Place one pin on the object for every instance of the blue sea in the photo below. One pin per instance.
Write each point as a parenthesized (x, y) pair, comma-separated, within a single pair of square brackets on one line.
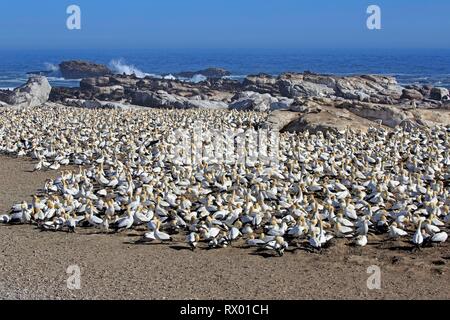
[(409, 66)]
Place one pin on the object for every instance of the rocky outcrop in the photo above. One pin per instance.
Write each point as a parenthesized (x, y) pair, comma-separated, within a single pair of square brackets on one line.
[(369, 88), (210, 73), (212, 89), (163, 99), (34, 93), (325, 89), (307, 101), (308, 87), (261, 83), (82, 69), (336, 119)]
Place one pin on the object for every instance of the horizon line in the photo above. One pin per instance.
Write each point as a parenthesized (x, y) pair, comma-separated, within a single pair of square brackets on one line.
[(224, 48)]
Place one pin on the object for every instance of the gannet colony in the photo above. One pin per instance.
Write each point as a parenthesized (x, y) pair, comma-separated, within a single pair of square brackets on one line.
[(145, 169)]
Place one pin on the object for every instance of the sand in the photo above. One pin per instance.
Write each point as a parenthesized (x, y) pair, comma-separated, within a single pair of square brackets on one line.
[(33, 264)]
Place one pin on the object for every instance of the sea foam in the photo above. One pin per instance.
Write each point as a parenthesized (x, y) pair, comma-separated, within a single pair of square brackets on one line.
[(119, 66), (51, 67)]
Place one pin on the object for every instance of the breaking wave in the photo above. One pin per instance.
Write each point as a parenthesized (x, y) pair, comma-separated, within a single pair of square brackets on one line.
[(119, 66), (198, 78), (51, 67)]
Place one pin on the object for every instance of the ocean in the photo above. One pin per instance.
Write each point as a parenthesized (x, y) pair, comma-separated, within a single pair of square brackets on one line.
[(409, 66)]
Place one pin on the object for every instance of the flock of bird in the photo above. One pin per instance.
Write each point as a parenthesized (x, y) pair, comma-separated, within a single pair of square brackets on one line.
[(324, 186)]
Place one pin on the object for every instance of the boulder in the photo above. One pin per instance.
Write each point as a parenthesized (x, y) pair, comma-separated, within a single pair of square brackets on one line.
[(205, 104), (254, 101), (158, 99), (439, 94), (328, 119), (411, 94), (82, 69), (34, 93)]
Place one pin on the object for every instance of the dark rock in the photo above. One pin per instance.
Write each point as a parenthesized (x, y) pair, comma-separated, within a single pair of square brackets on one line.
[(261, 83), (411, 94), (208, 73), (61, 94), (224, 85), (82, 69), (439, 94), (4, 95), (88, 83)]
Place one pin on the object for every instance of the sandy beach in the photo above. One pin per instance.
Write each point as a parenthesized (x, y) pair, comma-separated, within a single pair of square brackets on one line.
[(33, 264)]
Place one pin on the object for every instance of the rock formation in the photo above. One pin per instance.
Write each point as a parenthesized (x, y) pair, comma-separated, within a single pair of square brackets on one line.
[(82, 69), (297, 101), (34, 93)]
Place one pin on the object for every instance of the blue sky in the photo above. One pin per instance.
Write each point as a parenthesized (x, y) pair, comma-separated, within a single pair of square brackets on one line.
[(224, 24)]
